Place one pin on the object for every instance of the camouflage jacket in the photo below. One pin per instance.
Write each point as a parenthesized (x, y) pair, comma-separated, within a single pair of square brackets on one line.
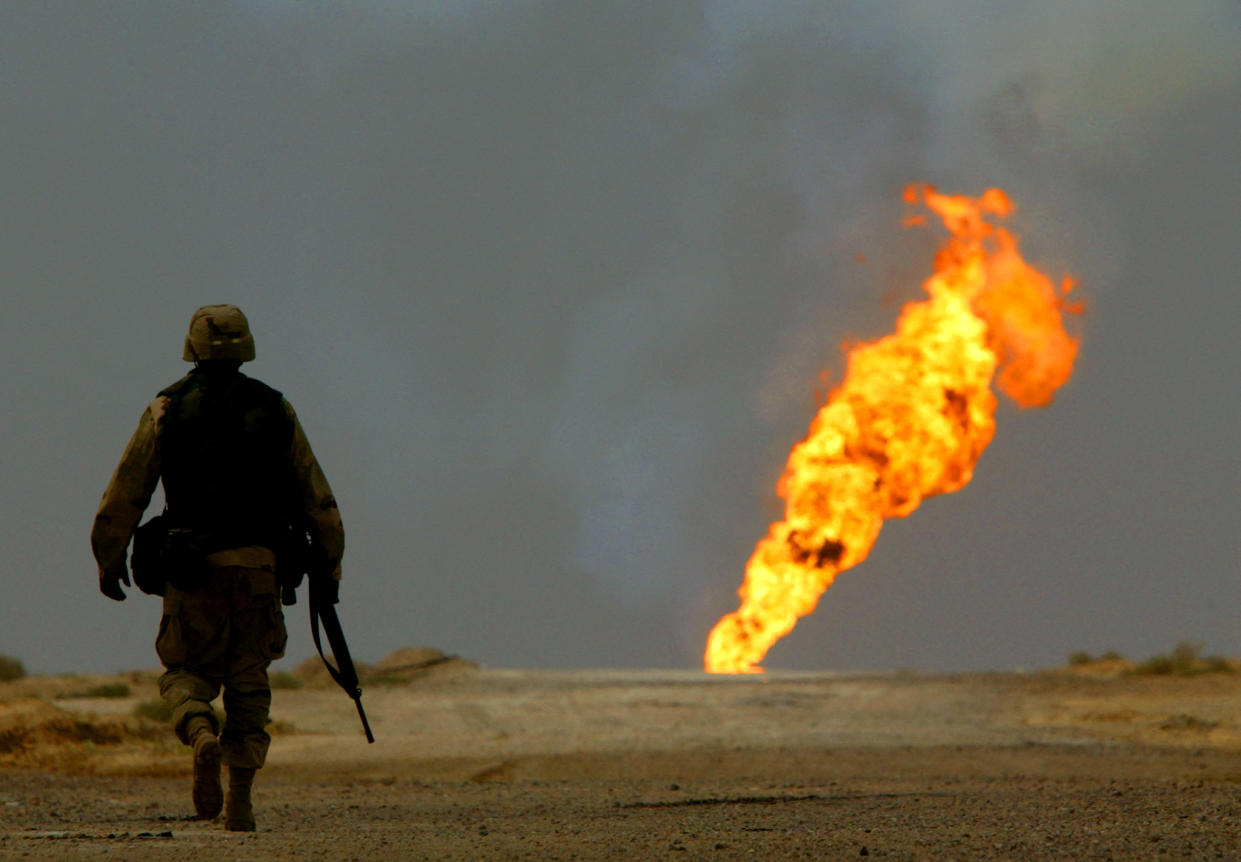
[(136, 476)]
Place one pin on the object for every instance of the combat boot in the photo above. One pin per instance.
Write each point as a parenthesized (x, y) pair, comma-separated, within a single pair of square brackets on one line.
[(239, 813), (208, 794)]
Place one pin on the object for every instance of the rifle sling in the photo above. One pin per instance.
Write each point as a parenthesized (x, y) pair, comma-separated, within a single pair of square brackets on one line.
[(345, 675)]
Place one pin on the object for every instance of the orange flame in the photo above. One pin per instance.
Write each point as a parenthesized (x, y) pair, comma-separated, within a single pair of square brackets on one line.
[(911, 419)]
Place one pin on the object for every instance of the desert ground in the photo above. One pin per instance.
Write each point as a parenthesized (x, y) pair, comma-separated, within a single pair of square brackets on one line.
[(1090, 762)]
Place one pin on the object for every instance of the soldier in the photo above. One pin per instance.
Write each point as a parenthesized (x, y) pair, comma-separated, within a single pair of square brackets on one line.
[(237, 470)]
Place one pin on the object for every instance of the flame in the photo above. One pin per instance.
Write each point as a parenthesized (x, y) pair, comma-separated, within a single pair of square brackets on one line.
[(910, 420)]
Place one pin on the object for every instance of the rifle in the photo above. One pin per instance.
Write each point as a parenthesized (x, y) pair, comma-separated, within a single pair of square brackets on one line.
[(298, 557), (323, 611)]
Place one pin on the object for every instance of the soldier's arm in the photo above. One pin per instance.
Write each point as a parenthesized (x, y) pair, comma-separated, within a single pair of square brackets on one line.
[(316, 499), (127, 495)]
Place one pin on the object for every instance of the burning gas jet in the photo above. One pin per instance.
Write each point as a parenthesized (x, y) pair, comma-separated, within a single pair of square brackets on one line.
[(910, 420)]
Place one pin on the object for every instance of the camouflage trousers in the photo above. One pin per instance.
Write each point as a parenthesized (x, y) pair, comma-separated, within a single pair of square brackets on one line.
[(224, 634)]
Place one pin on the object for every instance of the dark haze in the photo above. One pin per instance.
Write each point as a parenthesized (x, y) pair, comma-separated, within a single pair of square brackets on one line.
[(553, 286)]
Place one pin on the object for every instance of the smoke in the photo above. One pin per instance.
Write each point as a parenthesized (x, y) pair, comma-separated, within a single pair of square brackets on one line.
[(1086, 79), (552, 284)]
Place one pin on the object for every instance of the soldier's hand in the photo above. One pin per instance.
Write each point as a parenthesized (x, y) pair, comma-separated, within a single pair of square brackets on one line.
[(110, 586)]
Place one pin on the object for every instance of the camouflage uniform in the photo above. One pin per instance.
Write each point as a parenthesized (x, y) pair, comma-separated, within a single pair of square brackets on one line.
[(227, 632)]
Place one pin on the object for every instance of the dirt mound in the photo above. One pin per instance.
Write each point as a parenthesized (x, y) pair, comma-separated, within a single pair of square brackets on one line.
[(311, 673), (410, 663), (36, 733), (1105, 668), (402, 665)]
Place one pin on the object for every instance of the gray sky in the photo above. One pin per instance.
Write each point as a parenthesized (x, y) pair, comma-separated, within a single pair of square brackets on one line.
[(552, 286)]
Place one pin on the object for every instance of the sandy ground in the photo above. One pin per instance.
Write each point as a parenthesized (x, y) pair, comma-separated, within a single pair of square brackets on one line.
[(496, 764)]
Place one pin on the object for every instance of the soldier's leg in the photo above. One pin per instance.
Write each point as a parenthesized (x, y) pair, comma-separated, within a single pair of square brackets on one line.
[(247, 705), (258, 637), (188, 696), (244, 741), (191, 643)]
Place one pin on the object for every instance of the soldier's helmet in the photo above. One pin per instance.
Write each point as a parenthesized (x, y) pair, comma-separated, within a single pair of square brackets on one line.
[(219, 332)]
